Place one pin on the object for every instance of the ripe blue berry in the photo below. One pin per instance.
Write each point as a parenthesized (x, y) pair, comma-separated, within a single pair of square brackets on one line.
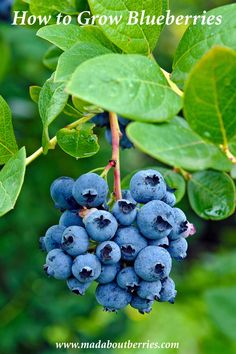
[(153, 263), (71, 218), (108, 252), (100, 225), (128, 279), (155, 220), (168, 292), (61, 193), (86, 267), (162, 242), (112, 297), (125, 212), (77, 287), (108, 273), (126, 194), (75, 240), (130, 241), (58, 264), (125, 143), (142, 305), (53, 237), (42, 245), (149, 290), (178, 248), (169, 198), (147, 185), (90, 190), (180, 224), (101, 119), (123, 121)]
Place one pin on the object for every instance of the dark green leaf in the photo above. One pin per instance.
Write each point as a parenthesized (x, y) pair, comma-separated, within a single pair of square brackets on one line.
[(130, 38), (173, 179), (52, 101), (175, 144), (75, 56), (8, 145), (5, 58), (212, 195), (210, 100), (221, 303), (198, 39), (131, 85), (11, 180), (64, 37), (51, 57), (79, 142)]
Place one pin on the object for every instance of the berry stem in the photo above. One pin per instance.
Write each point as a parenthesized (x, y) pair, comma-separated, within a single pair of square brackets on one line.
[(187, 176), (228, 153), (116, 135), (53, 141)]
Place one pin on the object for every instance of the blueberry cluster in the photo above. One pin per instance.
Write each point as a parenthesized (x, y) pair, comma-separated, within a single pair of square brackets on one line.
[(5, 10), (102, 120), (128, 250)]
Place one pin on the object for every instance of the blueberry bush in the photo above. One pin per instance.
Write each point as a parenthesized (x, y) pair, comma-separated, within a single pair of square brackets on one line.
[(185, 120)]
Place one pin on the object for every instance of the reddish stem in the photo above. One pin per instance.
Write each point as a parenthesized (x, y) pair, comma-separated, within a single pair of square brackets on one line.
[(116, 135)]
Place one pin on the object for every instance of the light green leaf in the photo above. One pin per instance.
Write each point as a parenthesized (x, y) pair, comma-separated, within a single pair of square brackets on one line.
[(173, 179), (198, 39), (8, 145), (131, 85), (130, 38), (52, 101), (51, 57), (210, 99), (64, 37), (79, 142), (34, 92), (212, 195), (175, 144), (221, 303), (11, 180), (75, 56), (52, 7)]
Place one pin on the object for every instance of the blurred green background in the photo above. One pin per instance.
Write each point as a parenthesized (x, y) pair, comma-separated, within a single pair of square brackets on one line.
[(35, 311)]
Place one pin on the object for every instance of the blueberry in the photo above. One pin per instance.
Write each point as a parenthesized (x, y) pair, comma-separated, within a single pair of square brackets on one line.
[(125, 143), (149, 290), (142, 305), (178, 248), (90, 190), (71, 218), (101, 120), (180, 225), (126, 194), (123, 121), (147, 185), (125, 212), (86, 267), (42, 245), (112, 297), (153, 263), (108, 273), (130, 241), (108, 252), (168, 292), (128, 279), (58, 264), (75, 240), (169, 198), (155, 220), (100, 225), (5, 10), (77, 287), (163, 242), (61, 193), (53, 237)]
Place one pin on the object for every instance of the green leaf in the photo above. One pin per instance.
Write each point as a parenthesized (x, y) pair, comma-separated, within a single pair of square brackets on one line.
[(131, 85), (34, 92), (80, 142), (51, 57), (210, 99), (11, 180), (198, 39), (135, 38), (52, 101), (5, 58), (175, 144), (212, 195), (221, 303), (64, 37), (51, 7), (75, 56), (8, 145), (173, 179)]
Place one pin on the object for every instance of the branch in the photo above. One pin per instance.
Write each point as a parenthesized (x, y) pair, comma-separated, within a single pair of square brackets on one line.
[(228, 153), (116, 135)]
